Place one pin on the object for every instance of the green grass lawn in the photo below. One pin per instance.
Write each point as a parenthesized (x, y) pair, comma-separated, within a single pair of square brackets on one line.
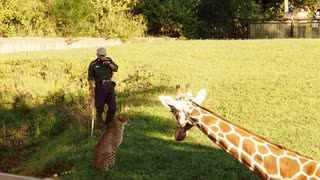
[(270, 87)]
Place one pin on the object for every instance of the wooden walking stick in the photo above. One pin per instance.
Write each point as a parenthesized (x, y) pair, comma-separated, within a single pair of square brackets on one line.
[(92, 116)]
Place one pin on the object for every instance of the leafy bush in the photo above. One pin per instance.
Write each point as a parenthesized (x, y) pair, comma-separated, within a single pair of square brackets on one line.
[(170, 18), (70, 17), (24, 18), (114, 19), (217, 17), (109, 19)]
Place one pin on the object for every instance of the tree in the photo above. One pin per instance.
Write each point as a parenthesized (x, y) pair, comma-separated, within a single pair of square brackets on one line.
[(169, 17), (115, 19), (217, 17), (70, 16)]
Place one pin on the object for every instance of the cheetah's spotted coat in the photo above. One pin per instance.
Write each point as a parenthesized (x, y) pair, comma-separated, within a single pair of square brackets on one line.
[(105, 150)]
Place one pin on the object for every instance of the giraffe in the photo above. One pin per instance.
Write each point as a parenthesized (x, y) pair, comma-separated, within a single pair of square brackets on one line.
[(265, 158)]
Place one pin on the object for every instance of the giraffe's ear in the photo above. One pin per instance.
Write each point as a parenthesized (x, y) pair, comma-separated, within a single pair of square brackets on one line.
[(200, 96), (167, 101), (170, 103)]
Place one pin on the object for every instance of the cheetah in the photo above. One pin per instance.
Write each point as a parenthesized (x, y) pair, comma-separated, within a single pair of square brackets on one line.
[(105, 150)]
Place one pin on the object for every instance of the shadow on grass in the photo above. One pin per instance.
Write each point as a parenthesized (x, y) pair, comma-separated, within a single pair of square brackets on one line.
[(56, 140), (149, 151), (25, 129)]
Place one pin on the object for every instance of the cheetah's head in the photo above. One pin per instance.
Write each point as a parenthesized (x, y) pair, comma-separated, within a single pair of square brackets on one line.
[(123, 119)]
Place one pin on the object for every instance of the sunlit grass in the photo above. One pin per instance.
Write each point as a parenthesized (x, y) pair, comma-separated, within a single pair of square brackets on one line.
[(270, 87)]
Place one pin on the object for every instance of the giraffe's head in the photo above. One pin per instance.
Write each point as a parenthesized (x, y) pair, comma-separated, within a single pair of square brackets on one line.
[(180, 108)]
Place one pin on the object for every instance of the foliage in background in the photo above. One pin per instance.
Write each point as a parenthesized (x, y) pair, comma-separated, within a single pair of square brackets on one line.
[(217, 19), (170, 18), (266, 86), (24, 18), (193, 19), (71, 17), (96, 18), (114, 19)]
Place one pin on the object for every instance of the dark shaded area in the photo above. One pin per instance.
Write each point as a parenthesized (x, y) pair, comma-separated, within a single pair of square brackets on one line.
[(24, 128)]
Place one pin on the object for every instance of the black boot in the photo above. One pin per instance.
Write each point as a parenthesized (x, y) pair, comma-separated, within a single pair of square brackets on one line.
[(109, 118), (99, 121)]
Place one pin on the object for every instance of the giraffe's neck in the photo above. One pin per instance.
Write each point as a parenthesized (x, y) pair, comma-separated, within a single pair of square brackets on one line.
[(267, 159)]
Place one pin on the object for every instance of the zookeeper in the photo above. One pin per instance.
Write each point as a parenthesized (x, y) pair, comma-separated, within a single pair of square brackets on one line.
[(100, 72)]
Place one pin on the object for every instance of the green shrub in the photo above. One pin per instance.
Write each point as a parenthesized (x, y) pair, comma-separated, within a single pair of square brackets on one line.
[(71, 17), (169, 18), (24, 18)]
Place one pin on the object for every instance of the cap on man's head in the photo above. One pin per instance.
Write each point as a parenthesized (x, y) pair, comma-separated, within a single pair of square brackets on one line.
[(291, 6), (101, 51)]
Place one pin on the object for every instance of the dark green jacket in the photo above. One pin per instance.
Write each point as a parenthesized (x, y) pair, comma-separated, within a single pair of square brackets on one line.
[(98, 71)]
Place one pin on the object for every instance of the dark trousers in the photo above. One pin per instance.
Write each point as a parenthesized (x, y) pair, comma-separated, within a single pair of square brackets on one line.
[(104, 94)]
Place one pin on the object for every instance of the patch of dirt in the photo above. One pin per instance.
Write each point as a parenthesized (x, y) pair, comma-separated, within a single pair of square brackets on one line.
[(12, 156), (13, 149), (59, 169)]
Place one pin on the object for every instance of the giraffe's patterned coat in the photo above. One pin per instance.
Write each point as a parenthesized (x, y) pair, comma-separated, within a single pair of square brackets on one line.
[(257, 153)]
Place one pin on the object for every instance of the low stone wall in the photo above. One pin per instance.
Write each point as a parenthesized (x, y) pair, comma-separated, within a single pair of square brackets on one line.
[(17, 44)]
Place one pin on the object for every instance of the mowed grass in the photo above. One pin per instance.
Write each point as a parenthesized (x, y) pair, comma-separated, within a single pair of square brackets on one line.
[(270, 87)]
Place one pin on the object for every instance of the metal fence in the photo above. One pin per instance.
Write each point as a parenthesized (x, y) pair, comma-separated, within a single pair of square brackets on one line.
[(280, 28)]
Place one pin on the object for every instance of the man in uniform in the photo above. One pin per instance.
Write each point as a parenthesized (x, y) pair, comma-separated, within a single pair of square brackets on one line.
[(100, 72)]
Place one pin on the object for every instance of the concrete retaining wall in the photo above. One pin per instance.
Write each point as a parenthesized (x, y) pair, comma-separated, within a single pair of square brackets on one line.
[(17, 44)]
